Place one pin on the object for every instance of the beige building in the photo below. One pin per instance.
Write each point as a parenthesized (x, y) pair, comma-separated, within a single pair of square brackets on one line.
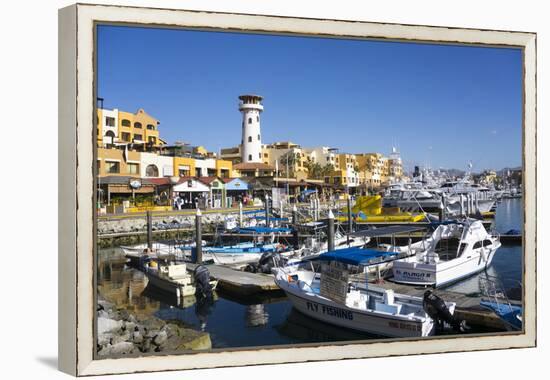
[(287, 156)]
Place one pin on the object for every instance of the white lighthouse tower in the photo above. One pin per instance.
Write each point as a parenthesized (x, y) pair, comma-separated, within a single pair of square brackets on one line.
[(251, 143)]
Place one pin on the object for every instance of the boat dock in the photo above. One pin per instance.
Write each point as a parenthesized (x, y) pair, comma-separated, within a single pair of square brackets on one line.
[(245, 284), (239, 282), (467, 306)]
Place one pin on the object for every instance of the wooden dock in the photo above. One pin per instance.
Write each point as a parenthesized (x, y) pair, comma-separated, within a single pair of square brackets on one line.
[(239, 282), (467, 306)]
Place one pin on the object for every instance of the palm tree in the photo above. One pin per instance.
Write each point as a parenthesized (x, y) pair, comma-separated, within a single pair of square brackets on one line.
[(288, 160)]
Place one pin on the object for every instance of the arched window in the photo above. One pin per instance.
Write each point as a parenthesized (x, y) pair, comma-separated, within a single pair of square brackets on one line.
[(151, 171), (110, 137), (258, 137), (249, 157), (126, 123), (151, 127), (249, 138), (258, 119), (137, 124), (249, 120)]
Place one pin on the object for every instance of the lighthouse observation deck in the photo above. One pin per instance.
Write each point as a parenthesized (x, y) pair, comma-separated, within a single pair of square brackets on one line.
[(250, 102)]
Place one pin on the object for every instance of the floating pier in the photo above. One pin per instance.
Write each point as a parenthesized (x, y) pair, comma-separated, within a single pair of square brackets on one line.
[(467, 306), (239, 282)]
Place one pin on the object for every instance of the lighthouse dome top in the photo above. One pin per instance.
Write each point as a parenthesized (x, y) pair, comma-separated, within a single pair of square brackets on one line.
[(250, 97), (251, 102)]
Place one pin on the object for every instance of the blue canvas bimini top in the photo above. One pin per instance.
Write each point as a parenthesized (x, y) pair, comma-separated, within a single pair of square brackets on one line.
[(264, 230), (253, 211), (357, 256)]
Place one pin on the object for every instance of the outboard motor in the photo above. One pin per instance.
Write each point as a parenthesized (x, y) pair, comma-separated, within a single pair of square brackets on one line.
[(268, 261), (202, 281), (435, 307), (251, 267)]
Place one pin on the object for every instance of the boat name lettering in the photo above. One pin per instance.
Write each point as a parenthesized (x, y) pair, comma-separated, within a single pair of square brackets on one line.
[(330, 310), (404, 326), (413, 274)]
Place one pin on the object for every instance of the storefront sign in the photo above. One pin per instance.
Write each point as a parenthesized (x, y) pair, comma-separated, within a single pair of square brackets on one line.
[(135, 184)]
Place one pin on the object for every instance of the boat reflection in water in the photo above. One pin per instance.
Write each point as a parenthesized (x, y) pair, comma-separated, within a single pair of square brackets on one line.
[(302, 329), (256, 315)]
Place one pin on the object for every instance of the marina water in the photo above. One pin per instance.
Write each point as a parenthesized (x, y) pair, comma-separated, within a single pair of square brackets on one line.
[(233, 322)]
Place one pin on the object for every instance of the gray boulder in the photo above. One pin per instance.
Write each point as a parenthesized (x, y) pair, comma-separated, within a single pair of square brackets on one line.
[(105, 325)]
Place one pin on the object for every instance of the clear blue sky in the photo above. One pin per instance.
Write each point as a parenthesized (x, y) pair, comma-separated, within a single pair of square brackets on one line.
[(441, 105)]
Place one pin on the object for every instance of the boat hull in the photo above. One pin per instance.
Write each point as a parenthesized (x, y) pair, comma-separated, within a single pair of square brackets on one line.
[(442, 273), (172, 287), (328, 311)]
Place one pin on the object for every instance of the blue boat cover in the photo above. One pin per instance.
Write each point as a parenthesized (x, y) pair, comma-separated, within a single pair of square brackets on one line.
[(509, 313), (263, 230), (357, 256), (262, 217), (253, 211)]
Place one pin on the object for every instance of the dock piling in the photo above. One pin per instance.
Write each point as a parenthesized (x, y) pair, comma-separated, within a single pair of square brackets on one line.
[(241, 214), (266, 210), (198, 237), (295, 227), (350, 221), (149, 230), (330, 230)]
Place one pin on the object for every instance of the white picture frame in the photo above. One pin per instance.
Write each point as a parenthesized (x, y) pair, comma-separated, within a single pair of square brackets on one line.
[(76, 210)]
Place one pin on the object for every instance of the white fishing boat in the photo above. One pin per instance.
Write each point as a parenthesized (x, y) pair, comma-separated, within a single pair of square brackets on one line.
[(454, 251), (330, 296)]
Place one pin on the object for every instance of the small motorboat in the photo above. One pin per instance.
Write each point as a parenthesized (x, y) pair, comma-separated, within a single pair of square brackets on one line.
[(454, 251), (175, 279)]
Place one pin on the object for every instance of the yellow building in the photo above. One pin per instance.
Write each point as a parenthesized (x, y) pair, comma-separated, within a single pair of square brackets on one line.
[(184, 167), (282, 152), (192, 167), (117, 162), (372, 169), (120, 127)]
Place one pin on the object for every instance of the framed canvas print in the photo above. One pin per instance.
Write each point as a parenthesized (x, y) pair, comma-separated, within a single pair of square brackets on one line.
[(299, 189)]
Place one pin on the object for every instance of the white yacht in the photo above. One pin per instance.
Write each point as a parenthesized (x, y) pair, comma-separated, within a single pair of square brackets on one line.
[(454, 251)]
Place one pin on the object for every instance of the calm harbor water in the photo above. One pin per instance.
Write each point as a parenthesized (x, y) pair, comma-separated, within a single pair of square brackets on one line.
[(235, 322)]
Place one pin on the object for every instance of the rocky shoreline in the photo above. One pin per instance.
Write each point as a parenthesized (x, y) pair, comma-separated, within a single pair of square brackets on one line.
[(122, 333)]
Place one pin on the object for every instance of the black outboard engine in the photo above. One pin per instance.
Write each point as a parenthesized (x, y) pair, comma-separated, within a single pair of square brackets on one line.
[(435, 307), (268, 261), (202, 281)]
